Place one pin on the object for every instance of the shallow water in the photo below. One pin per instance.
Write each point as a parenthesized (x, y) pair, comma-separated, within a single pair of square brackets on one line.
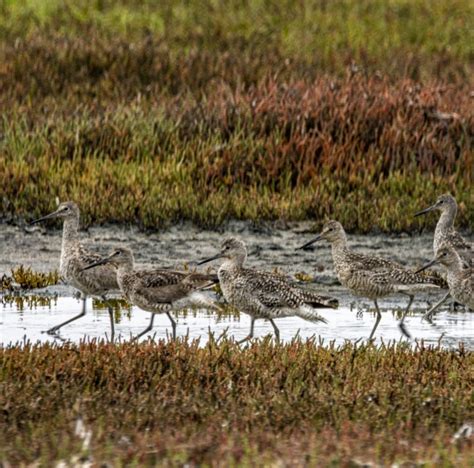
[(40, 249), (343, 324)]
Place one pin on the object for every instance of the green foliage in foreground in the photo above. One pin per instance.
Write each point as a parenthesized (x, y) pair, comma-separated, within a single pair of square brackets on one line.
[(178, 402)]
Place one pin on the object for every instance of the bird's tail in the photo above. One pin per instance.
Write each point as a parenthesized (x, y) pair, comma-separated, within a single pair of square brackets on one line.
[(200, 299), (433, 278), (307, 313)]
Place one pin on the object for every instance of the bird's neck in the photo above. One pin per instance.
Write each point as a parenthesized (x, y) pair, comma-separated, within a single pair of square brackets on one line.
[(123, 272), (339, 249), (233, 263), (446, 220), (70, 233)]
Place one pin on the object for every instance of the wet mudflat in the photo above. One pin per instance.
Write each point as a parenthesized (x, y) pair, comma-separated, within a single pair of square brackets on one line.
[(273, 248)]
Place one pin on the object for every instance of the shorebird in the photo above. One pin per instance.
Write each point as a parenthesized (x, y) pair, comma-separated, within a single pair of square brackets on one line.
[(371, 276), (74, 257), (446, 233), (263, 295), (460, 278), (156, 291)]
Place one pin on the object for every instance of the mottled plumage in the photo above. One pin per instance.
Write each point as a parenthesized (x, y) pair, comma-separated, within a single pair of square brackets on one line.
[(263, 295), (156, 291), (371, 276), (74, 258), (460, 278), (445, 233)]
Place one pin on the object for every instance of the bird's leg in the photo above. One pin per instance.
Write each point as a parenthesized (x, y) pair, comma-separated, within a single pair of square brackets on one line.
[(173, 324), (112, 318), (377, 320), (277, 332), (54, 330), (250, 335), (427, 315), (147, 329), (401, 324)]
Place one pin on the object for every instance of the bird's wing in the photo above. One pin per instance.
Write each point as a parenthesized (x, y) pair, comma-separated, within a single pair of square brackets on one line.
[(458, 241), (270, 290), (371, 262), (159, 277), (166, 294)]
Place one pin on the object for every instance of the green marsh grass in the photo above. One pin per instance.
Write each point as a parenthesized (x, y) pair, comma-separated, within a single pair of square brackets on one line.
[(291, 403), (208, 111)]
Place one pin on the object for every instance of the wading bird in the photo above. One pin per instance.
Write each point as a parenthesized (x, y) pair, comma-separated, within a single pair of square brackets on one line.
[(156, 291), (74, 257), (263, 295), (370, 276), (445, 233), (460, 278)]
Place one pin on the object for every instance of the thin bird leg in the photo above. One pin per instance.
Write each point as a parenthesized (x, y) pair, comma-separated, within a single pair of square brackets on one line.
[(173, 324), (147, 329), (427, 315), (112, 318), (401, 324), (54, 330), (250, 335), (377, 320), (277, 332)]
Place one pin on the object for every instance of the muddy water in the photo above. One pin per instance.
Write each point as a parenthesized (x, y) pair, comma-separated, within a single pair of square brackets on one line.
[(274, 247)]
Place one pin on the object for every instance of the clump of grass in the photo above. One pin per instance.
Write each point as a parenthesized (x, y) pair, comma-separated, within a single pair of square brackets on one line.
[(25, 278), (292, 403)]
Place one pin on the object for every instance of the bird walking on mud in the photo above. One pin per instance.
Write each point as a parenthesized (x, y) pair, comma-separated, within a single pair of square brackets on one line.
[(445, 233), (74, 257), (156, 291), (460, 278), (263, 295), (371, 276)]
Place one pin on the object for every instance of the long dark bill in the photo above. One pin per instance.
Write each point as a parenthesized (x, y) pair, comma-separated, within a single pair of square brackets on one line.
[(311, 242), (430, 264), (426, 210), (44, 218), (96, 264), (210, 259)]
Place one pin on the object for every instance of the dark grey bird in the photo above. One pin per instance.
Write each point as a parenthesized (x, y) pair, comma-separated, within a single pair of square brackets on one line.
[(263, 295), (371, 276), (445, 233), (74, 257), (460, 278), (157, 291)]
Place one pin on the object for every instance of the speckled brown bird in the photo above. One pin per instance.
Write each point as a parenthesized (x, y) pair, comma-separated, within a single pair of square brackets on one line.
[(460, 278), (371, 276), (263, 295), (445, 233), (157, 291), (74, 257)]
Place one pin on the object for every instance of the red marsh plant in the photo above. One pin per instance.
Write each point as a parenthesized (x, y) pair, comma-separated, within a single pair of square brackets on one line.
[(181, 402)]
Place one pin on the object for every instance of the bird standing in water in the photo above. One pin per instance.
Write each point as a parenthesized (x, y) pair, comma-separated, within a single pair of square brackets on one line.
[(74, 257), (263, 295)]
